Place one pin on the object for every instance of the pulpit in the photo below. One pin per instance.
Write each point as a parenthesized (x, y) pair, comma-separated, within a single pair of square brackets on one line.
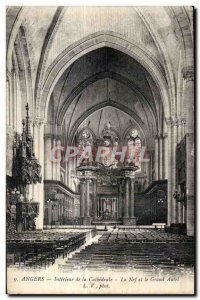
[(26, 212), (26, 173)]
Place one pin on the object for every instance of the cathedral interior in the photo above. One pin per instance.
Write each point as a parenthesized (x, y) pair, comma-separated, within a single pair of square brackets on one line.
[(100, 129)]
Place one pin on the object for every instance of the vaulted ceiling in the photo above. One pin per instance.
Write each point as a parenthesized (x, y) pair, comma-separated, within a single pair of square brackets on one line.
[(104, 83), (101, 78)]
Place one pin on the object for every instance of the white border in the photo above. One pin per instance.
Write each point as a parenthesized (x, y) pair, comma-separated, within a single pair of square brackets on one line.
[(3, 4)]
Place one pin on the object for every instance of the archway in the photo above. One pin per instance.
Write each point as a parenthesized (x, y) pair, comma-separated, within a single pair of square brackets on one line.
[(95, 41)]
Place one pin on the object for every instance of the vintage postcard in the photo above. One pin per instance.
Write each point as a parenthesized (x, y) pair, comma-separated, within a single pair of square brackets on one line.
[(100, 154)]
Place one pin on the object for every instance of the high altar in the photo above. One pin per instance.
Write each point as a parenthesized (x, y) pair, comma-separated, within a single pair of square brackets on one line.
[(107, 184)]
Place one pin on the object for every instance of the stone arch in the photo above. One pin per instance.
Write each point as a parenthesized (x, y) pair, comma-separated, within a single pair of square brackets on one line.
[(163, 50), (98, 106), (46, 47), (181, 22), (75, 92), (95, 41), (11, 32)]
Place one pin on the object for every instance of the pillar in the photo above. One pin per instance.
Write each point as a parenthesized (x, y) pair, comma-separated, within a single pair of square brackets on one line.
[(87, 202), (49, 213), (180, 212), (126, 208), (72, 207), (53, 163), (7, 102), (87, 219), (95, 197), (38, 193), (173, 171), (119, 199), (169, 186), (132, 199), (156, 157), (82, 198), (14, 101), (59, 157), (48, 162), (11, 108), (188, 75), (129, 218), (165, 158), (161, 157), (40, 218)]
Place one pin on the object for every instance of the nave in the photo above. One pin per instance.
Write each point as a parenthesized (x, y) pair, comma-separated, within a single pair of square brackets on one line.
[(150, 251)]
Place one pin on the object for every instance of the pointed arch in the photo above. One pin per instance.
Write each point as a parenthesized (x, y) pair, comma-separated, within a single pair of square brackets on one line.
[(95, 41)]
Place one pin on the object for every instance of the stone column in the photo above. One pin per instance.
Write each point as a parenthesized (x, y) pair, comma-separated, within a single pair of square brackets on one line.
[(87, 202), (169, 190), (82, 198), (119, 199), (58, 163), (98, 207), (173, 170), (67, 206), (129, 218), (87, 219), (7, 102), (165, 158), (39, 187), (183, 122), (73, 207), (132, 199), (161, 157), (47, 156), (179, 212), (11, 109), (126, 208), (54, 164), (188, 75), (70, 203), (14, 101), (156, 157), (95, 197), (49, 213), (62, 210), (59, 210)]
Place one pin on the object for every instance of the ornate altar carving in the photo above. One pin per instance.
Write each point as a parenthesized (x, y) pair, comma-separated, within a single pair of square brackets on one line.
[(86, 136), (134, 148), (108, 137)]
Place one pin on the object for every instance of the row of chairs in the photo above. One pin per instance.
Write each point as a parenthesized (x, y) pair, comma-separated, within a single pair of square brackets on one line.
[(148, 250), (40, 251)]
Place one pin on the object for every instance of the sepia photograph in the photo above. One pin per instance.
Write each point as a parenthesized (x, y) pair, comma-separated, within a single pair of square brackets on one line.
[(100, 150)]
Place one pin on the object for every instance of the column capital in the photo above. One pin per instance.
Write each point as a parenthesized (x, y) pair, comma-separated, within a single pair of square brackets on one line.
[(183, 121), (37, 122), (8, 75), (188, 73), (156, 136), (169, 121), (160, 136), (165, 135), (175, 122)]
